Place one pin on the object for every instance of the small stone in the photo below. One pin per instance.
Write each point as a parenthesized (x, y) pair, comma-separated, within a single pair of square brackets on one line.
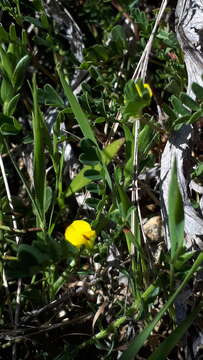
[(153, 228)]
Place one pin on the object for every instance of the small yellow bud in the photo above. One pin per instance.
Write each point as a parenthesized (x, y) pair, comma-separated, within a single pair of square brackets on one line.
[(147, 86)]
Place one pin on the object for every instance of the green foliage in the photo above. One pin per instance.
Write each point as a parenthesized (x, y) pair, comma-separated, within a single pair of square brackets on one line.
[(82, 179), (49, 96), (136, 345), (185, 109), (199, 170), (118, 284), (19, 71), (9, 125)]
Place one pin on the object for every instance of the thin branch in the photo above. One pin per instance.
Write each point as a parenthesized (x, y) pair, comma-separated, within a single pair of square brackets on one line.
[(19, 231)]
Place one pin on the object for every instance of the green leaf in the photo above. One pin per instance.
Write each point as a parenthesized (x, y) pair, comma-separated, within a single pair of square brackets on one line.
[(180, 121), (89, 157), (6, 63), (8, 129), (12, 33), (97, 53), (107, 155), (7, 91), (44, 21), (93, 188), (100, 120), (183, 259), (168, 38), (19, 71), (198, 91), (141, 19), (170, 342), (199, 169), (33, 21), (118, 37), (9, 125), (130, 92), (31, 260), (189, 102), (195, 117), (9, 107), (93, 174), (28, 139), (51, 96), (171, 113), (31, 254), (134, 108), (174, 86), (44, 42), (92, 202), (76, 108), (3, 35), (24, 37), (175, 215), (178, 107)]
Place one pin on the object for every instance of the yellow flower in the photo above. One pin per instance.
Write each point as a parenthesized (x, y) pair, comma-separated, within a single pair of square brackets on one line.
[(80, 233)]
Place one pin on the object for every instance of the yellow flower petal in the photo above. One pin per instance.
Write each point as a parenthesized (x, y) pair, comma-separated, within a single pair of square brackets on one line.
[(80, 233)]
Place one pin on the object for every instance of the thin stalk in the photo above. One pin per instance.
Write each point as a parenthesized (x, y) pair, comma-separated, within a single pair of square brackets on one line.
[(18, 231), (18, 8), (141, 71), (19, 284), (134, 194), (135, 202), (171, 275), (104, 333)]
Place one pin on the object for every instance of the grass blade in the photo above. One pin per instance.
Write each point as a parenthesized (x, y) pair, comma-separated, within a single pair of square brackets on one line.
[(139, 341), (168, 344), (175, 215), (76, 108), (39, 153)]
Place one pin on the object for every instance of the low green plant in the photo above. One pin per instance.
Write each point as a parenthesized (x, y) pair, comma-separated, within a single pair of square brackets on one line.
[(118, 283)]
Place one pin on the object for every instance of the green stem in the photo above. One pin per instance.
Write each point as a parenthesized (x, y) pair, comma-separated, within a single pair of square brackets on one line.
[(104, 333)]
